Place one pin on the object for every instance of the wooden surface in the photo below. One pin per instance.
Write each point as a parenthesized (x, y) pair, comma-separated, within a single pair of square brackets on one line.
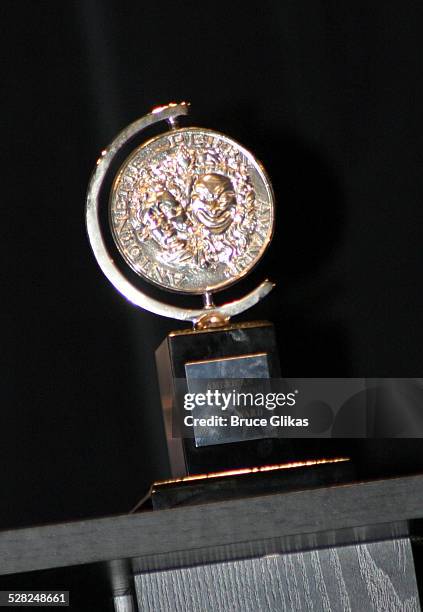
[(377, 577), (222, 531)]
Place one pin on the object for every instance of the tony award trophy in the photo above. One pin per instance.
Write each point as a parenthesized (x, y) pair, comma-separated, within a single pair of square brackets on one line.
[(191, 211)]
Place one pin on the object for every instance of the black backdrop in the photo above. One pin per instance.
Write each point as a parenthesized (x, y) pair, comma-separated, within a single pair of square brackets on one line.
[(328, 94)]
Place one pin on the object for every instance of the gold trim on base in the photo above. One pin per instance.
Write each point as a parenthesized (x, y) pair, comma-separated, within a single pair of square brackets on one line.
[(253, 470), (230, 326)]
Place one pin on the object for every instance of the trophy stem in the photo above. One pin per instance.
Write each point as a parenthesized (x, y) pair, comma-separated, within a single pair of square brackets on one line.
[(208, 300), (173, 123)]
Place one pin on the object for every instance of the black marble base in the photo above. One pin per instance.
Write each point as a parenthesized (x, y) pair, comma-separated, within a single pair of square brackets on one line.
[(189, 354)]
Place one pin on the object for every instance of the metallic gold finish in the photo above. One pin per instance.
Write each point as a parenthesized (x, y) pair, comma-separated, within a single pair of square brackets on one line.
[(226, 327), (237, 472), (211, 320), (191, 211), (253, 470), (220, 359)]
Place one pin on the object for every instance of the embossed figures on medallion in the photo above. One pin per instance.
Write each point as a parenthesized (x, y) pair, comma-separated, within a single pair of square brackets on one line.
[(191, 211)]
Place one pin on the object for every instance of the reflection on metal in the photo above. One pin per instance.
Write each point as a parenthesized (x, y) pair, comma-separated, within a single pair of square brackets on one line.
[(224, 223), (226, 327), (253, 470), (125, 603), (122, 584), (219, 359)]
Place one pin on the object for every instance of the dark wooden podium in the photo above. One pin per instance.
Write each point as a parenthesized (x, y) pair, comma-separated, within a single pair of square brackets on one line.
[(347, 547)]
